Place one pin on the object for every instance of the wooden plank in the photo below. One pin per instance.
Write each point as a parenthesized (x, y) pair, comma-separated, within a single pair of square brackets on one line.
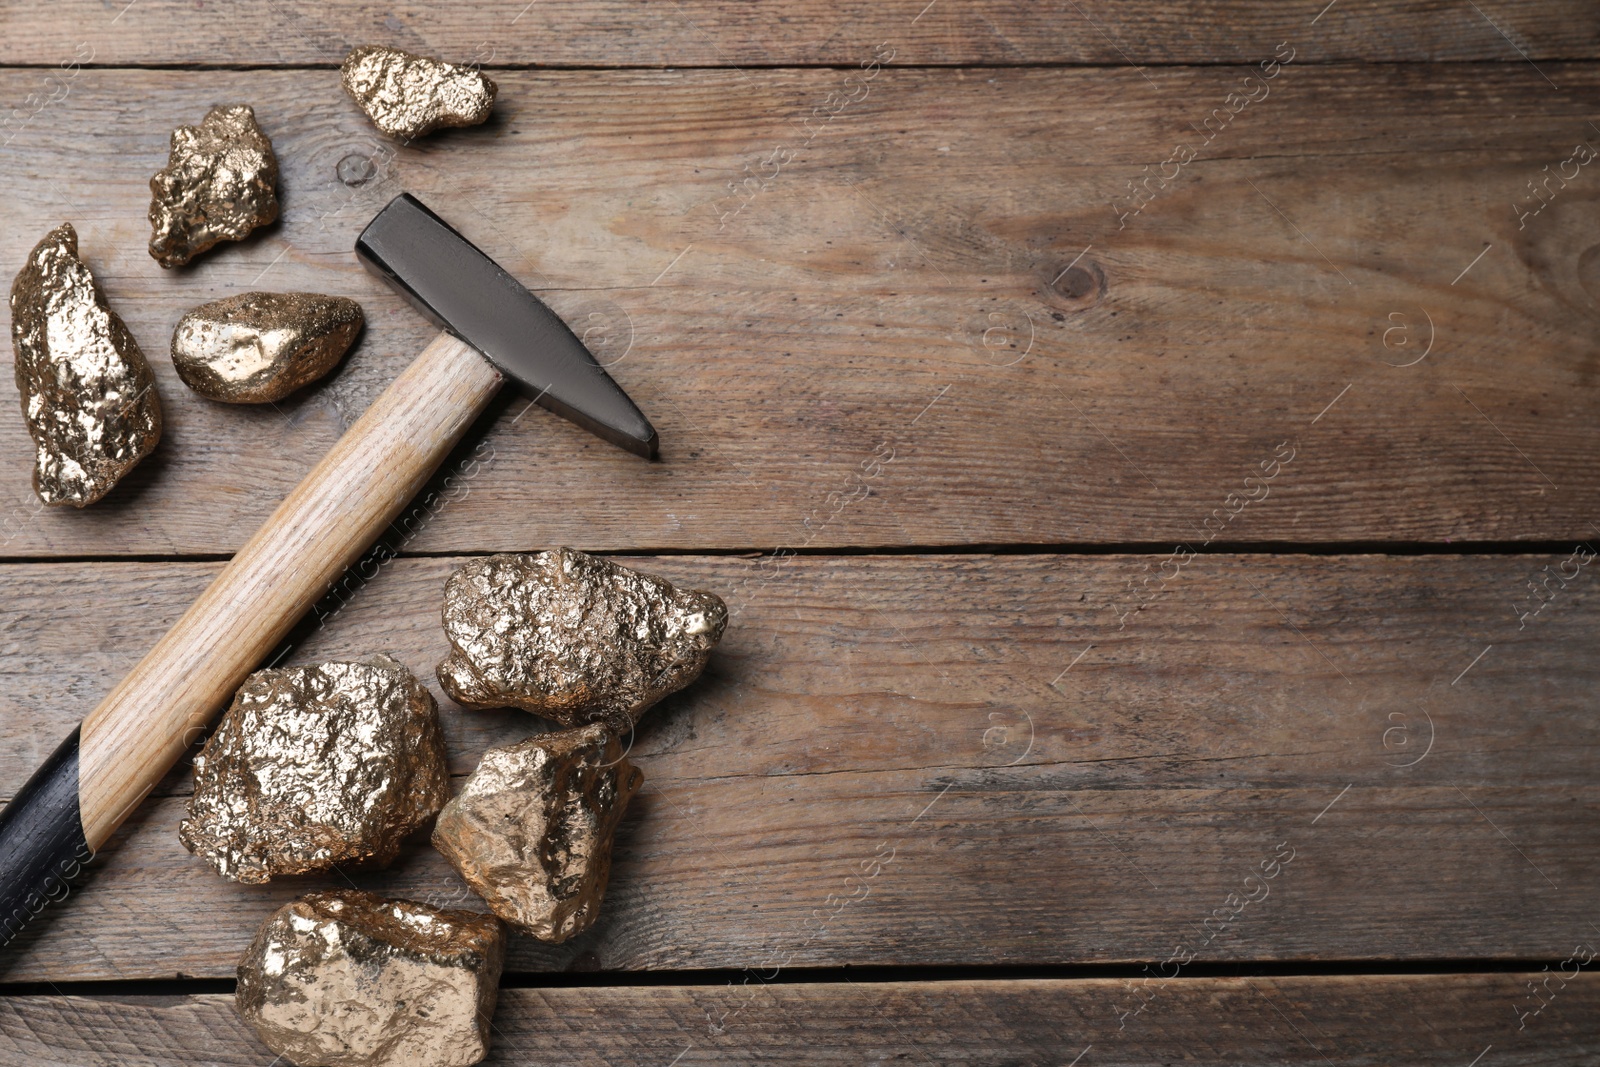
[(1443, 1020), (717, 33), (864, 306), (970, 760)]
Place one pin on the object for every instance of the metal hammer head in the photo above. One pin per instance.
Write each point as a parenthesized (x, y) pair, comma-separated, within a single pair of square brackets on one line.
[(463, 291)]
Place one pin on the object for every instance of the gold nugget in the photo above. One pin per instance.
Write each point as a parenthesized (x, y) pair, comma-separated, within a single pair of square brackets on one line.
[(316, 766), (572, 637), (220, 182), (531, 830), (87, 391), (255, 348), (349, 979), (408, 96)]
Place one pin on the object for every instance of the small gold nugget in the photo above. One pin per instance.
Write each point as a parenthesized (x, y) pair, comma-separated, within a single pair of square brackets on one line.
[(254, 348), (531, 830), (349, 979), (220, 182), (408, 96), (317, 766), (87, 391), (573, 638)]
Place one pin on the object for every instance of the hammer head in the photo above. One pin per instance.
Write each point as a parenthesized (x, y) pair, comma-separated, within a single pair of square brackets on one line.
[(463, 291)]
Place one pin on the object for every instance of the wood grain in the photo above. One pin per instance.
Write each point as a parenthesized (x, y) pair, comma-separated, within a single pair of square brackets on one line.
[(866, 302), (133, 737), (1054, 787), (937, 321), (717, 33), (1422, 1020)]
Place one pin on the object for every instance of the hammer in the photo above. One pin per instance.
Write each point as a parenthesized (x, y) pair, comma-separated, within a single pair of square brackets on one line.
[(493, 329)]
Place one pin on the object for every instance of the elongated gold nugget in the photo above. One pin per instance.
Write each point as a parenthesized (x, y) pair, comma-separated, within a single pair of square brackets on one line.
[(573, 637), (531, 830), (316, 766), (87, 391), (255, 348), (349, 979), (409, 96)]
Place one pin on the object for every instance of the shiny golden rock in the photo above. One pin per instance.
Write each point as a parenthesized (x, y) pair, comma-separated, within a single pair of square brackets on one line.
[(259, 347), (87, 391), (220, 182), (408, 96), (316, 766), (571, 637), (531, 830), (349, 979)]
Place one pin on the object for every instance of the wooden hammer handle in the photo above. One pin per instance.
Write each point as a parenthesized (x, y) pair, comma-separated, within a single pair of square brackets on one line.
[(145, 723)]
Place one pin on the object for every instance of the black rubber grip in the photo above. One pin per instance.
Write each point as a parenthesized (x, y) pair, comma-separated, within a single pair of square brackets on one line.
[(42, 846)]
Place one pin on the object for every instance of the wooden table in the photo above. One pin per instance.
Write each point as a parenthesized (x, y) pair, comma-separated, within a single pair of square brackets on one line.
[(955, 319)]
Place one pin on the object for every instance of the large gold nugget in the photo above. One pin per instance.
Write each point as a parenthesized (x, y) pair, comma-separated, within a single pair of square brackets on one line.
[(571, 637), (87, 391), (317, 766), (255, 348), (531, 830), (349, 979), (220, 182), (408, 96)]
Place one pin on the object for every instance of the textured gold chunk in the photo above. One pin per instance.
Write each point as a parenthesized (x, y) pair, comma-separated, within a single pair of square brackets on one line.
[(316, 766), (572, 637), (259, 347), (349, 979), (220, 182), (408, 96), (87, 391), (531, 830)]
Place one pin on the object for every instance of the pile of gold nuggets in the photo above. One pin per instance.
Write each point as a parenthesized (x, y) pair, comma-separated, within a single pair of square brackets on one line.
[(332, 767)]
